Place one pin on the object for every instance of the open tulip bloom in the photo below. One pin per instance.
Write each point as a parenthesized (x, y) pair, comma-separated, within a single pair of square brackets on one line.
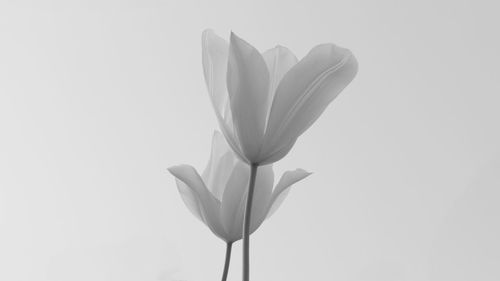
[(218, 196), (264, 102)]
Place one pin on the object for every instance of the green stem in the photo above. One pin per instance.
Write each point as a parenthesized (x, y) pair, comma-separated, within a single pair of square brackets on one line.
[(246, 223), (229, 245)]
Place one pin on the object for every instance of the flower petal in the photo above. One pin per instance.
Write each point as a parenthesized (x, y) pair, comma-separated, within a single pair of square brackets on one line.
[(270, 155), (233, 199), (235, 196), (306, 90), (209, 206), (283, 187), (223, 172), (278, 60), (248, 85), (219, 167), (215, 51), (191, 199), (216, 153)]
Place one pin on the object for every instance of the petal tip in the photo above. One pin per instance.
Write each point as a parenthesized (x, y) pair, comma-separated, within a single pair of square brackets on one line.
[(304, 172), (209, 37), (217, 134), (237, 41), (178, 170), (232, 35), (174, 169), (207, 30), (281, 47), (205, 34), (233, 38)]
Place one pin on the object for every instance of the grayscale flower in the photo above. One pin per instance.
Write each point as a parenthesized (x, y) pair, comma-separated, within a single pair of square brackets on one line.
[(218, 197), (264, 102)]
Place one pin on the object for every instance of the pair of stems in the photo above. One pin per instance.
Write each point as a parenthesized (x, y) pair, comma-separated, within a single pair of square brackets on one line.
[(246, 230)]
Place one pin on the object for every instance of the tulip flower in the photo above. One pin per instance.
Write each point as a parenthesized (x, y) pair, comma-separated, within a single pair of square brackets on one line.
[(264, 102), (218, 196)]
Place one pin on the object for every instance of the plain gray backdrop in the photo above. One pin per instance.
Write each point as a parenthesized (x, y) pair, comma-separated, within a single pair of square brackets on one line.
[(98, 98)]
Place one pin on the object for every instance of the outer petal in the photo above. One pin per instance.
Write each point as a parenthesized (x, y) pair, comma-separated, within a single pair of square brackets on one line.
[(283, 187), (233, 198), (235, 195), (248, 85), (216, 153), (271, 154), (209, 206), (191, 199), (278, 60), (305, 91), (214, 55), (223, 171), (219, 167), (215, 59)]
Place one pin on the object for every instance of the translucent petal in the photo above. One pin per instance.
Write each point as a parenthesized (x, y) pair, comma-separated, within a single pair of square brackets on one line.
[(235, 195), (306, 90), (224, 168), (218, 149), (233, 199), (215, 52), (209, 205), (278, 60), (270, 154), (191, 199), (248, 85), (219, 167), (283, 187)]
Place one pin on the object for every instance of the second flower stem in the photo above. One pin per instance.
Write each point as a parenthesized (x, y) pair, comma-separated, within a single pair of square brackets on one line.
[(246, 223)]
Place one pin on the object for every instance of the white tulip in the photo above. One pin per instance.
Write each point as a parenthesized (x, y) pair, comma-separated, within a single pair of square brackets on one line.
[(218, 196), (264, 102)]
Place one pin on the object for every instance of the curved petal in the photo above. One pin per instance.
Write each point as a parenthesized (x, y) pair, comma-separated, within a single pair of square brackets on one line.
[(233, 199), (278, 60), (235, 195), (191, 199), (248, 85), (269, 155), (222, 174), (215, 51), (216, 152), (283, 187), (209, 207), (306, 90), (219, 167)]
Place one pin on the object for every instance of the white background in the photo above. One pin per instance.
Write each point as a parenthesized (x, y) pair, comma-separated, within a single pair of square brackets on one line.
[(98, 98)]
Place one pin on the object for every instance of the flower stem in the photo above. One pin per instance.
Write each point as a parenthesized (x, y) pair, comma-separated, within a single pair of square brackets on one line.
[(229, 245), (246, 223)]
